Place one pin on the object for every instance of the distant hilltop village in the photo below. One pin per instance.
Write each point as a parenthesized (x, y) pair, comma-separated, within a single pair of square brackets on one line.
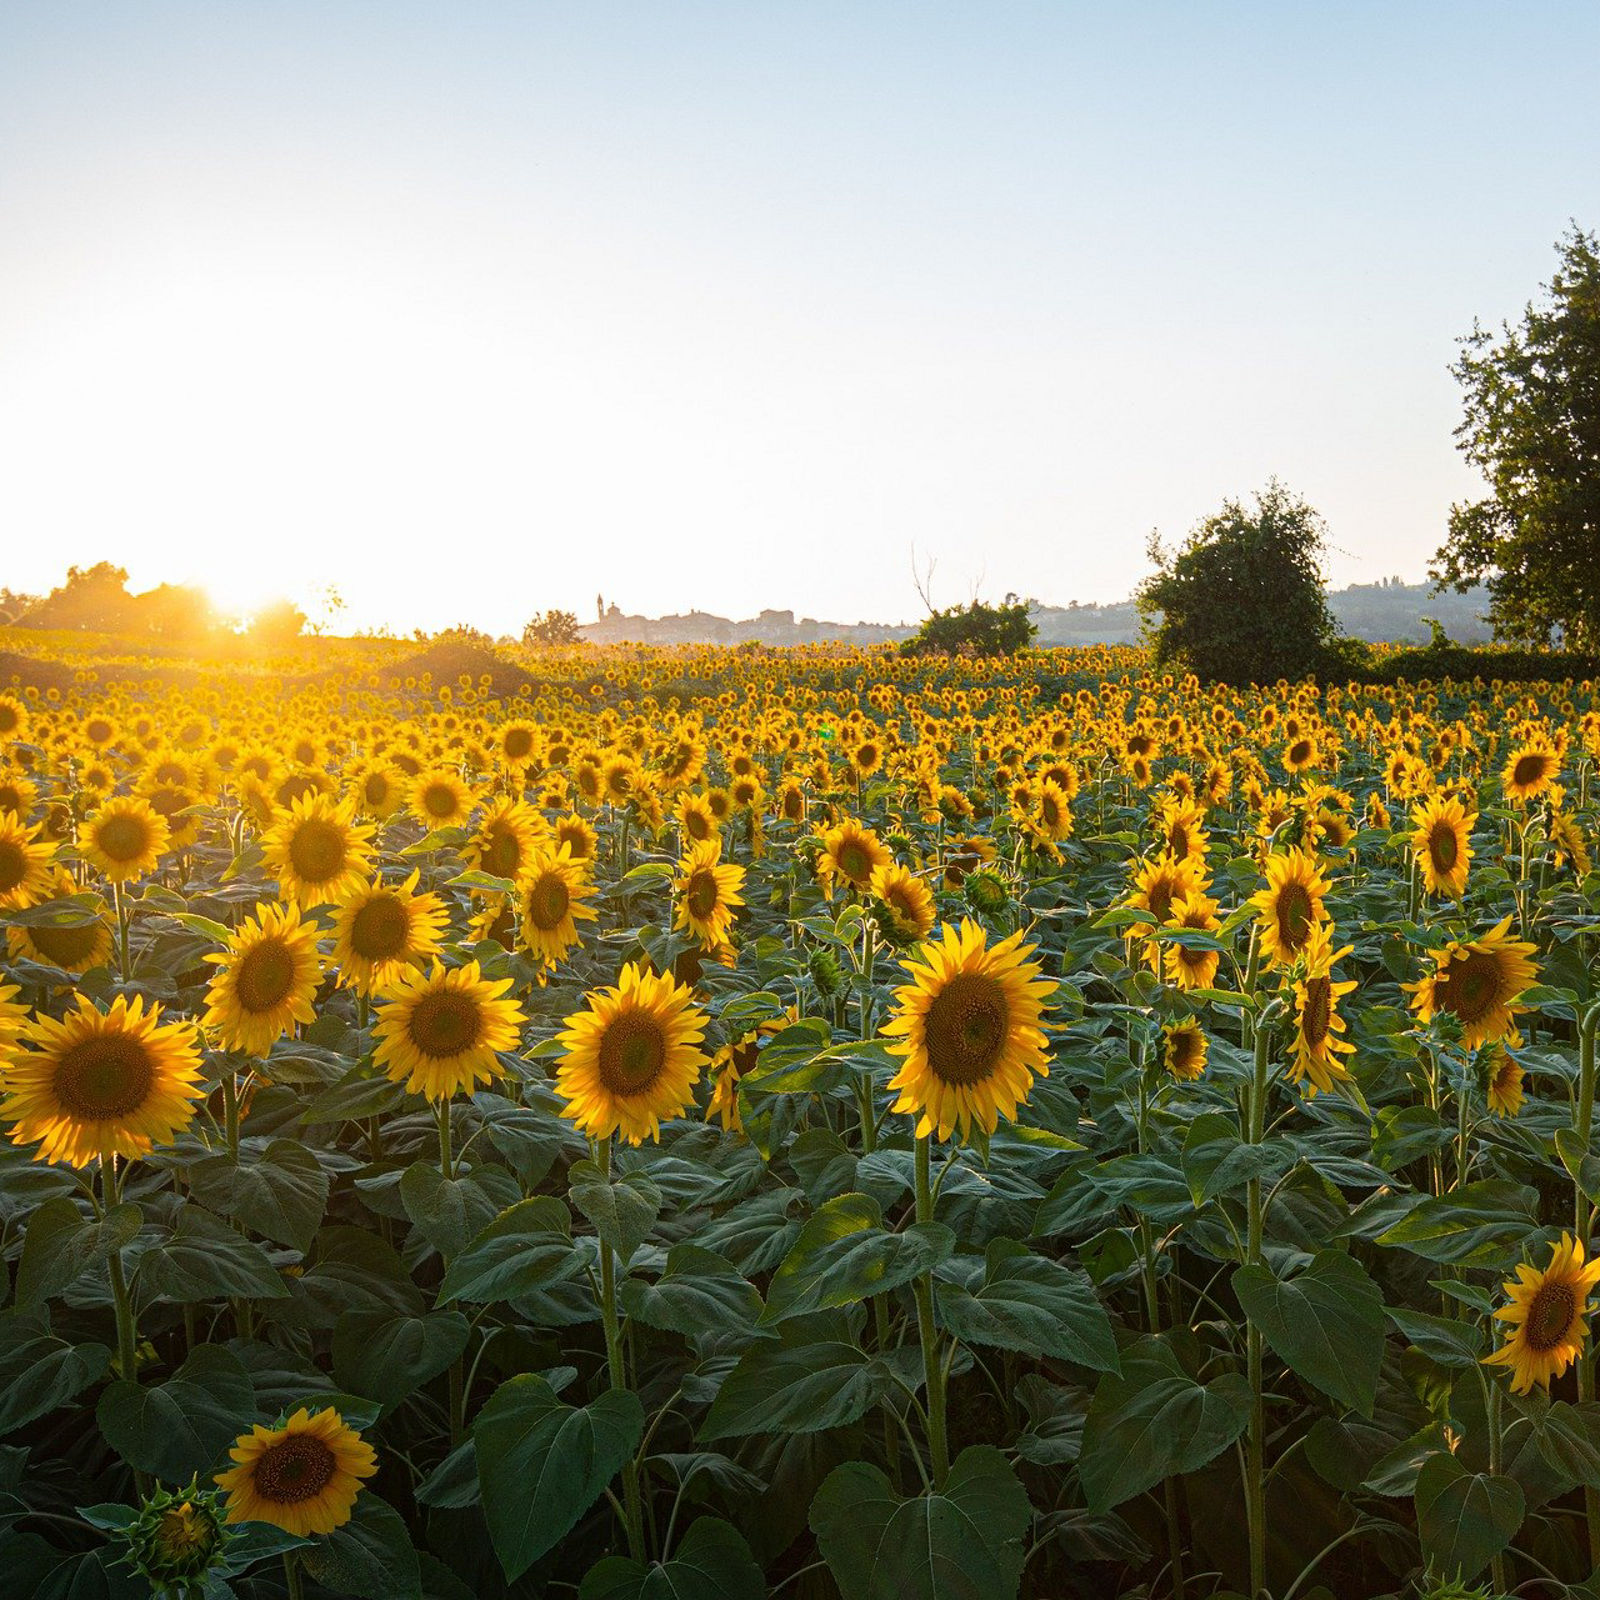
[(1389, 612)]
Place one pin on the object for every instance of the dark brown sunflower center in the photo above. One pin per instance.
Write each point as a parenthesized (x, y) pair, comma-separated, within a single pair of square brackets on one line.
[(1160, 898), (701, 895), (1178, 839), (548, 902), (376, 789), (965, 1028), (379, 930), (577, 844), (633, 1050), (11, 799), (1442, 847), (1529, 769), (104, 1077), (1299, 753), (317, 851), (439, 800), (295, 1469), (65, 947), (1471, 986), (10, 719), (1550, 1315), (98, 730), (1294, 914), (265, 976), (1317, 1017), (518, 743), (697, 825), (296, 788), (123, 838), (502, 854), (1185, 1051), (445, 1023), (13, 865)]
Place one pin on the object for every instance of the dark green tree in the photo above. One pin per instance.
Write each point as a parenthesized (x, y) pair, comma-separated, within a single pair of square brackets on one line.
[(1532, 426), (975, 629), (1243, 599)]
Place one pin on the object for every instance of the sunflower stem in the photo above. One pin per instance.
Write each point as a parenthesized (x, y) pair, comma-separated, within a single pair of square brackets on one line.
[(933, 1371), (633, 1519), (446, 1155), (230, 1113), (1255, 1473), (1497, 1564), (291, 1576), (121, 904), (1583, 1219)]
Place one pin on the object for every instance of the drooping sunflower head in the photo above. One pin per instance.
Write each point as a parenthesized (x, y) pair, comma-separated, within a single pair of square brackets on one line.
[(707, 890), (1571, 847), (26, 874), (302, 1476), (1546, 1329), (632, 1056), (1318, 1041), (1291, 905), (969, 1028), (97, 1084), (439, 1032), (1441, 841), (125, 838), (554, 900), (730, 1064), (1505, 1080), (1184, 1050), (1192, 967), (905, 903), (319, 851), (385, 930), (265, 981), (1478, 982)]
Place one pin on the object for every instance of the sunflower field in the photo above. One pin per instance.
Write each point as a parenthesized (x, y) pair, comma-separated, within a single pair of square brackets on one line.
[(825, 1124)]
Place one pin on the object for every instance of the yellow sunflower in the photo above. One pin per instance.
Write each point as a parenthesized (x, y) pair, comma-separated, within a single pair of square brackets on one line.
[(438, 1032), (632, 1057), (1571, 848), (319, 851), (968, 1025), (1184, 1050), (730, 1064), (384, 931), (440, 798), (1547, 1330), (851, 853), (1442, 844), (577, 835), (695, 820), (13, 719), (1529, 771), (1192, 969), (266, 980), (302, 1477), (73, 949), (708, 895), (906, 900), (25, 864), (1478, 981), (505, 840), (553, 902), (1290, 905), (98, 1084), (1505, 1080), (1318, 1025)]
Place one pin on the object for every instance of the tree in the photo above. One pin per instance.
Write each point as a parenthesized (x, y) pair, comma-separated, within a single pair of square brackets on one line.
[(277, 625), (94, 599), (552, 627), (975, 629), (1532, 427), (1243, 600)]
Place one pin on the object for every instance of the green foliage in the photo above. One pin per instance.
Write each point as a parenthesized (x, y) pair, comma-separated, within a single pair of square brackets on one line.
[(1243, 600), (552, 627), (1532, 400), (975, 629)]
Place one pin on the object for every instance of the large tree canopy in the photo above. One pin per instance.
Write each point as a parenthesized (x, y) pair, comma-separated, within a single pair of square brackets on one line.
[(1243, 600), (1532, 427)]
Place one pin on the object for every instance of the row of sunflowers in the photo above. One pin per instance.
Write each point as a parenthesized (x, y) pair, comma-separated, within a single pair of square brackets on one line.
[(821, 1123)]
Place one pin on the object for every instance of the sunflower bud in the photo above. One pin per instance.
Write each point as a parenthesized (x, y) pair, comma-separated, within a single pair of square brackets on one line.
[(826, 974), (986, 892), (176, 1539)]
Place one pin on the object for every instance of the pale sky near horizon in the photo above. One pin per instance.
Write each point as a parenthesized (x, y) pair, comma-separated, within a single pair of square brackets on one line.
[(470, 309)]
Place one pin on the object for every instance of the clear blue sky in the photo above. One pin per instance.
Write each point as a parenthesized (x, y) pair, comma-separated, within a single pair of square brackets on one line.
[(473, 308)]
